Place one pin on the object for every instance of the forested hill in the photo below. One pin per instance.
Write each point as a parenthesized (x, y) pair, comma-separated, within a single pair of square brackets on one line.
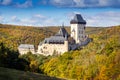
[(99, 60), (14, 35)]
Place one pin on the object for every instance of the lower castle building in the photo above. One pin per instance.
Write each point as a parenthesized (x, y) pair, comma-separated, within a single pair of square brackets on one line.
[(25, 48), (57, 44), (62, 41)]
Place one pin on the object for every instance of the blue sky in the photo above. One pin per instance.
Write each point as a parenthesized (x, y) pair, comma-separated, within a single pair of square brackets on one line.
[(57, 12)]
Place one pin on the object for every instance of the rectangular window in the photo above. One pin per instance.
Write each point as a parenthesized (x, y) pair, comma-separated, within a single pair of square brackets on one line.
[(81, 32)]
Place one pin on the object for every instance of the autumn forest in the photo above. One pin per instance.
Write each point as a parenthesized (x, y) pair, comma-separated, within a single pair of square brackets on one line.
[(99, 60)]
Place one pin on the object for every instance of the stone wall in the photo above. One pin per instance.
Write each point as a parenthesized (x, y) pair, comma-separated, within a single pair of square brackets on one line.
[(50, 49)]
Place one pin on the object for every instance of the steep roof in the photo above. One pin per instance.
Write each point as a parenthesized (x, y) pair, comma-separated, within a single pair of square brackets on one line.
[(62, 32), (78, 20), (54, 39), (26, 46), (59, 38)]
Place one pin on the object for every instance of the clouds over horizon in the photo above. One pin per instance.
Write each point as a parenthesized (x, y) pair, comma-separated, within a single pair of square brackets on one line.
[(63, 3), (54, 12), (104, 19), (34, 20), (16, 3), (109, 18), (87, 3), (26, 4), (1, 18)]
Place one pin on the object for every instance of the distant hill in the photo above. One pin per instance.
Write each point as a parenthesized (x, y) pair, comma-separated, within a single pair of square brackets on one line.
[(11, 74), (14, 35)]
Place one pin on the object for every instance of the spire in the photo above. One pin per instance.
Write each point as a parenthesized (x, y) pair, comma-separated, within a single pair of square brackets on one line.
[(62, 32)]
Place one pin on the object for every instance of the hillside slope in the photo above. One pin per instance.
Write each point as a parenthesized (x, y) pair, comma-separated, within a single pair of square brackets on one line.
[(99, 60), (11, 74)]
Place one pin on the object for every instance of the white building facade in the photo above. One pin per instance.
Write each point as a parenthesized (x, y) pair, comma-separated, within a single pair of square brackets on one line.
[(53, 49)]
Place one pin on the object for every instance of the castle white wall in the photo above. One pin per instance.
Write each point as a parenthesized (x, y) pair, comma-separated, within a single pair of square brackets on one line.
[(78, 32), (49, 49)]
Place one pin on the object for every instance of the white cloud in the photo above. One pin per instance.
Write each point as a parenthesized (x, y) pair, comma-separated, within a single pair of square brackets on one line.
[(28, 21), (50, 21), (62, 2), (86, 3), (14, 19), (26, 4), (1, 19), (79, 3), (44, 2), (5, 2), (109, 18), (38, 17), (35, 20)]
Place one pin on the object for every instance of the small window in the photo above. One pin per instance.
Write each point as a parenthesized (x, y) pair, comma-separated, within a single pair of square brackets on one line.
[(45, 47), (81, 32), (84, 27), (41, 50)]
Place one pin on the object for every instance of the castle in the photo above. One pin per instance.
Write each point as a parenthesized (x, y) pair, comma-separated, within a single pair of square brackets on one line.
[(63, 42)]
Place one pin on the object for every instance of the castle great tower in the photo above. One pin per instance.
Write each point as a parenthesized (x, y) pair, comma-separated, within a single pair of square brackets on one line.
[(78, 28)]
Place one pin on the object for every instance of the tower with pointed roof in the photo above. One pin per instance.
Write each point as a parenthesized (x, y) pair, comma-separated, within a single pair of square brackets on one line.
[(78, 28)]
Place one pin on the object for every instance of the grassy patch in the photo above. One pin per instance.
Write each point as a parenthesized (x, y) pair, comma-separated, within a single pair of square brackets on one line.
[(12, 74)]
